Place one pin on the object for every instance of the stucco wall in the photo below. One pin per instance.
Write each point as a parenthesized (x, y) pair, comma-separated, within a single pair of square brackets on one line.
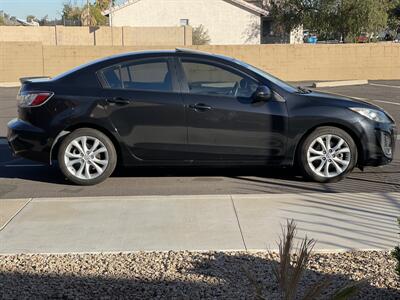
[(226, 23), (289, 62)]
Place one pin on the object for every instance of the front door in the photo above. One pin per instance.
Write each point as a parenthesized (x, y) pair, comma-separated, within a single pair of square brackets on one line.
[(146, 108), (223, 122)]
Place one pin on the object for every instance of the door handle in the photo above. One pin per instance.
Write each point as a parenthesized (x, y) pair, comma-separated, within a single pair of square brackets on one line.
[(200, 107), (118, 101)]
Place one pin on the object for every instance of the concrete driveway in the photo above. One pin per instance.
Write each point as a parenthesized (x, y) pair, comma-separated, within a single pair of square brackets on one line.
[(211, 222)]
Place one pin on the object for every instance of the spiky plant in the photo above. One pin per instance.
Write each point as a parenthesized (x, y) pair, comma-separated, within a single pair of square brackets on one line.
[(288, 273)]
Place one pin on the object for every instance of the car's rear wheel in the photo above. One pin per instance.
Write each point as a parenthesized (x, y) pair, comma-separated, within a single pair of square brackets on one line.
[(87, 156), (328, 154)]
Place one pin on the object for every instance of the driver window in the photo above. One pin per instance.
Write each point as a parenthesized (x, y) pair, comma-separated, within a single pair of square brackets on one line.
[(209, 79)]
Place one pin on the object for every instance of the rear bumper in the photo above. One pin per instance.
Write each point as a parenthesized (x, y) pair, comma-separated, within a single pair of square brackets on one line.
[(28, 141)]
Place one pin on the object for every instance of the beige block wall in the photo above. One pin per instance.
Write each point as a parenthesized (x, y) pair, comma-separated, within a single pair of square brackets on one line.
[(101, 36), (20, 60), (289, 62), (45, 35), (75, 36), (108, 36)]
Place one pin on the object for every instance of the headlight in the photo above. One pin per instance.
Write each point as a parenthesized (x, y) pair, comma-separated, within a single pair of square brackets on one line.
[(372, 114)]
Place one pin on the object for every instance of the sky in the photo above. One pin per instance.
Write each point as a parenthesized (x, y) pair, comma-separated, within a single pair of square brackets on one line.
[(38, 8)]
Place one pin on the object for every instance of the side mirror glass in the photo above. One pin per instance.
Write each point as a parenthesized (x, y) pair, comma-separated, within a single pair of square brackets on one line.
[(263, 93)]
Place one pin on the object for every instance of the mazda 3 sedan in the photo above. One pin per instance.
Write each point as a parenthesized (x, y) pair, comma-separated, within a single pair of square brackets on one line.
[(184, 107)]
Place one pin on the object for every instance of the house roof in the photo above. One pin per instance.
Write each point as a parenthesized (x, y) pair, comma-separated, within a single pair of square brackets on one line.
[(241, 3)]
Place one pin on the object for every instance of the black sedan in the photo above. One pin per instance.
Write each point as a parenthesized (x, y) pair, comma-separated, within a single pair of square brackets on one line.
[(185, 107)]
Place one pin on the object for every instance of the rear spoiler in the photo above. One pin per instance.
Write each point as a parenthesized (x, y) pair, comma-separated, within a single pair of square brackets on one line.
[(31, 79)]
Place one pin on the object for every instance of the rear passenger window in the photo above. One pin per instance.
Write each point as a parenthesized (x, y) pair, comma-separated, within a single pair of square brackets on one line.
[(151, 75)]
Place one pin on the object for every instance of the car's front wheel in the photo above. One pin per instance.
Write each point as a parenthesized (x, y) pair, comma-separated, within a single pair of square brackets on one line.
[(87, 156), (328, 154)]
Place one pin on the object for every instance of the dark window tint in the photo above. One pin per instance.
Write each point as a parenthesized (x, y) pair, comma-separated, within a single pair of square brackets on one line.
[(209, 79), (151, 75), (112, 77)]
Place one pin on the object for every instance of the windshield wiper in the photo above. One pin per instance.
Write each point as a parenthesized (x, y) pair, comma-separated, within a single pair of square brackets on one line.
[(303, 90)]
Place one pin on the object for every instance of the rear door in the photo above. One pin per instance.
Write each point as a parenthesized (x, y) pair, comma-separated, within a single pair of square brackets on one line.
[(145, 106), (223, 122)]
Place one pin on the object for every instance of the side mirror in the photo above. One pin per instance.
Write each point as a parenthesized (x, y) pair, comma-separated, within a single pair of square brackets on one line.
[(263, 93)]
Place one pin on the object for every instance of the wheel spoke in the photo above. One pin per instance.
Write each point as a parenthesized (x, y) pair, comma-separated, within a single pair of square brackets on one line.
[(338, 145), (326, 169), (314, 158), (341, 161), (97, 167), (99, 161), (322, 164), (343, 150), (76, 144), (313, 151), (84, 144), (95, 145), (100, 150), (328, 142), (72, 155), (73, 162), (321, 142), (337, 167), (79, 172), (87, 171)]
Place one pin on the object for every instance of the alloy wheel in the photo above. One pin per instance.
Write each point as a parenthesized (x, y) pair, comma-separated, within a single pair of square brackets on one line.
[(86, 157), (328, 156)]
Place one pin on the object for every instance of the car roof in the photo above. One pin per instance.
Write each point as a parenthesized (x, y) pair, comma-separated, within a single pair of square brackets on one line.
[(155, 52), (116, 57)]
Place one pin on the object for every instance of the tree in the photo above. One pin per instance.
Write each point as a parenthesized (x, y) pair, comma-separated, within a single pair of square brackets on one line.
[(31, 18), (351, 17), (290, 14), (2, 22), (88, 15), (347, 18), (96, 11), (92, 16), (104, 4), (200, 36), (394, 14), (87, 18), (71, 13), (44, 21)]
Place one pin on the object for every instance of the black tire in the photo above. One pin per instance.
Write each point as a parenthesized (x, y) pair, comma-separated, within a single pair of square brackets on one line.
[(112, 156), (306, 143)]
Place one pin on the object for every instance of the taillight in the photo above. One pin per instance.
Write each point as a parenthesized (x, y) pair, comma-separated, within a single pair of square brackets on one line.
[(31, 99)]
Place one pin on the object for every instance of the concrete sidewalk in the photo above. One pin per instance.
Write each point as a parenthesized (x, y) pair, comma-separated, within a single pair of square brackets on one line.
[(219, 222)]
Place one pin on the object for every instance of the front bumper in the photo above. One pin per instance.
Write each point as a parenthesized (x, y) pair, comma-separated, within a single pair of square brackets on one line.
[(378, 144), (28, 141)]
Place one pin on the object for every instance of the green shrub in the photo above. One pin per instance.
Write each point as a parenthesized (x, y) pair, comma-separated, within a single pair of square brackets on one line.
[(396, 254), (200, 36)]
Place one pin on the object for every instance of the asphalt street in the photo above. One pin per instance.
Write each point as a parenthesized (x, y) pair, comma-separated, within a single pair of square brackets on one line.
[(21, 178)]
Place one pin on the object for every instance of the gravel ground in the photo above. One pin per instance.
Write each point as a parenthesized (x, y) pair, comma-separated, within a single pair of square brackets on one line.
[(184, 275)]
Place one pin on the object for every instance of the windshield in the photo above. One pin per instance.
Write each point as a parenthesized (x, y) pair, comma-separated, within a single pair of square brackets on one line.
[(268, 76)]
